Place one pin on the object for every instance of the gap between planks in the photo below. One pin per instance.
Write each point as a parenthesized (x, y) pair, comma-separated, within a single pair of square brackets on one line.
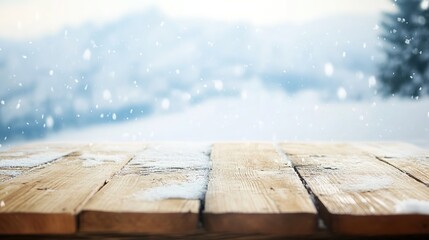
[(23, 159), (242, 225), (47, 200), (115, 208), (133, 201), (252, 190), (412, 160), (350, 203)]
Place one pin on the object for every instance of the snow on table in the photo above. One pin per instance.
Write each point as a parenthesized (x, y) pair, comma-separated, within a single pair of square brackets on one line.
[(158, 191), (24, 158), (405, 157), (222, 188), (358, 194)]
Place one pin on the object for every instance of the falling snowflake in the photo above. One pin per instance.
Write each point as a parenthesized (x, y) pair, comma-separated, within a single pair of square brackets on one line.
[(372, 81), (107, 95), (86, 55), (218, 85), (49, 122), (424, 5), (341, 93), (329, 69)]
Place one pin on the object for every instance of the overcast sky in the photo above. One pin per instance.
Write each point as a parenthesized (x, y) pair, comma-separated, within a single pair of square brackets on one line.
[(26, 19)]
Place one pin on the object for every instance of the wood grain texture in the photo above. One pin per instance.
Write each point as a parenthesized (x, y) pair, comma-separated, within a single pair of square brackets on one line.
[(21, 159), (252, 189), (320, 148), (358, 194), (46, 200), (406, 157), (391, 149), (150, 194)]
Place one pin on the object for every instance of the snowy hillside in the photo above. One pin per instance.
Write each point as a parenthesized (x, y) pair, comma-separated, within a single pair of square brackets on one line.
[(263, 115), (147, 64)]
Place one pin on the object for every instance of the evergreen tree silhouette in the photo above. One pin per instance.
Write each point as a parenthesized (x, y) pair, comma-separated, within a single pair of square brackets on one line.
[(405, 70)]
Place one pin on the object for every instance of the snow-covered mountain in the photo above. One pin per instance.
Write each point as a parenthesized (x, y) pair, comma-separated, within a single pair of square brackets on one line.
[(148, 64)]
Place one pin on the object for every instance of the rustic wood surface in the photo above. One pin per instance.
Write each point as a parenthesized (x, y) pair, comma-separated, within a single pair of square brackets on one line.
[(121, 205), (47, 199), (252, 189), (255, 191), (406, 157), (357, 193), (21, 159)]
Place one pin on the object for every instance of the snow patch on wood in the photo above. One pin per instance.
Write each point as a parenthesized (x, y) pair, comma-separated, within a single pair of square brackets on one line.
[(189, 162), (174, 156), (28, 159), (95, 159), (368, 183), (191, 189), (9, 172), (413, 206)]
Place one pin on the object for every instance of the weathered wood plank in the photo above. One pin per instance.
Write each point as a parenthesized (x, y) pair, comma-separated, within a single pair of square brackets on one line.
[(406, 157), (391, 149), (320, 149), (157, 192), (46, 200), (21, 159), (360, 195), (252, 189)]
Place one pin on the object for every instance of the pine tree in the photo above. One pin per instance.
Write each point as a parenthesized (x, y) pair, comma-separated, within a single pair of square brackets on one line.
[(405, 70)]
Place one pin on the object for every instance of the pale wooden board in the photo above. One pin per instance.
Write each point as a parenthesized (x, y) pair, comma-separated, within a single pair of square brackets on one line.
[(359, 194), (320, 149), (409, 158), (46, 200), (122, 206), (391, 149), (21, 159), (252, 189)]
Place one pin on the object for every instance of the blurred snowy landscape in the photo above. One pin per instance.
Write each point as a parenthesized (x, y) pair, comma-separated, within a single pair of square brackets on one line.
[(148, 76), (273, 116)]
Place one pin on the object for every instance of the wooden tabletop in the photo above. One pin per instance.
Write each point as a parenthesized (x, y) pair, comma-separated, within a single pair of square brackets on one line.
[(221, 190)]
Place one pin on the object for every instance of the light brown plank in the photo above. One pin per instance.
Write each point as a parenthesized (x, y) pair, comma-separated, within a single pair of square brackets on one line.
[(46, 200), (21, 159), (252, 189), (157, 192), (358, 194), (320, 148), (391, 149), (406, 157)]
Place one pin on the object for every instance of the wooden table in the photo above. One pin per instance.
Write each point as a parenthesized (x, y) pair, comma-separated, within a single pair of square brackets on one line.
[(242, 190)]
